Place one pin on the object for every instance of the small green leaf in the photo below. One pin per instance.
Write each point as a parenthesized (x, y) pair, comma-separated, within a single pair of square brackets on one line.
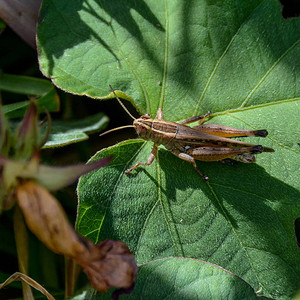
[(44, 89), (68, 132)]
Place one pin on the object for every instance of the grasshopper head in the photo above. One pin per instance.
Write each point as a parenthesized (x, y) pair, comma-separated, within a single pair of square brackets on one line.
[(143, 126)]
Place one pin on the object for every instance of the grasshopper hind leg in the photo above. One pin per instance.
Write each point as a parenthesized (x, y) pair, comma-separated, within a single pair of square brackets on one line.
[(217, 154), (247, 158), (190, 159)]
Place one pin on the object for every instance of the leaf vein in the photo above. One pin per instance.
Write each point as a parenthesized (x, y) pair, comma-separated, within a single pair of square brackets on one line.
[(170, 223), (268, 73), (241, 109), (233, 229), (196, 112)]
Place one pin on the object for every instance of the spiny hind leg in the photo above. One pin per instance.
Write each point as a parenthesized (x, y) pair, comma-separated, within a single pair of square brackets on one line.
[(247, 158), (221, 153), (200, 118), (148, 163)]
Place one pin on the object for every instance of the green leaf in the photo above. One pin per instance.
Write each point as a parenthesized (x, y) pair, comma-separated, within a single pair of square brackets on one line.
[(44, 89), (182, 278), (185, 278), (240, 60), (236, 220), (68, 132)]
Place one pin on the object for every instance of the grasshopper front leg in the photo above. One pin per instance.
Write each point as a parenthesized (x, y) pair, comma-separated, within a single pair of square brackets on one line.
[(160, 117), (149, 161)]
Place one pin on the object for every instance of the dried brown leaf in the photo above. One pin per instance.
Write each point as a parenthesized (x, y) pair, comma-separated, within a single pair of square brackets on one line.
[(107, 264), (46, 218), (26, 279)]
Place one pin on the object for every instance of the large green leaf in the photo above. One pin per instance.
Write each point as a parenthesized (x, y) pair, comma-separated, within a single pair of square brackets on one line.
[(183, 278), (240, 60), (242, 220)]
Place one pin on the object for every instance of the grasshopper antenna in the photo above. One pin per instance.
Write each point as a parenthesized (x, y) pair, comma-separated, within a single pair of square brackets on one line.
[(126, 126), (122, 103), (114, 129)]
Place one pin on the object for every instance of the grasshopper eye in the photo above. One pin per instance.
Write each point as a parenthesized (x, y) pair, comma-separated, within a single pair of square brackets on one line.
[(146, 116)]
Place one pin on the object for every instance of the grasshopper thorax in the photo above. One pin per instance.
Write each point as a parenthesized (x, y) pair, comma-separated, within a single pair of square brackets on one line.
[(143, 126)]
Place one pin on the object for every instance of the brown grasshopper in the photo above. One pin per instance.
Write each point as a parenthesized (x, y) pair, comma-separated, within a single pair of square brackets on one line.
[(209, 142)]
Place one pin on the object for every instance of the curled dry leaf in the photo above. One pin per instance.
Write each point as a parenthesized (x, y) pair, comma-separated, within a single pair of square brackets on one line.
[(107, 264)]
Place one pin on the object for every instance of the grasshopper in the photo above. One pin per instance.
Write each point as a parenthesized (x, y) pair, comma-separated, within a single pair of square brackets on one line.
[(204, 142)]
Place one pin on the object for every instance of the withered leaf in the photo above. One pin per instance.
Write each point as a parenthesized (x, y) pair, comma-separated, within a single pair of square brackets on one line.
[(107, 264)]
